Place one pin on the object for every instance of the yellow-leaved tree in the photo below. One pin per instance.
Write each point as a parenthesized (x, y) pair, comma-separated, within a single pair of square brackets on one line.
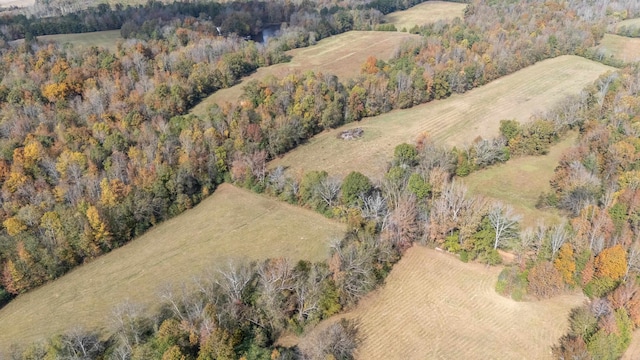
[(611, 263), (99, 231), (566, 264)]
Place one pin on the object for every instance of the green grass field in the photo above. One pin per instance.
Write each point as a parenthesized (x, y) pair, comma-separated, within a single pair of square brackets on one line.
[(520, 181), (455, 121), (341, 55), (105, 39), (425, 13), (434, 306), (231, 223)]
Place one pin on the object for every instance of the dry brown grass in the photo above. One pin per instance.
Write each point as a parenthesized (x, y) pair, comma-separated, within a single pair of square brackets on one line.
[(231, 223), (17, 3), (341, 55), (457, 120), (633, 352), (621, 47), (520, 181), (433, 306), (628, 23), (425, 13)]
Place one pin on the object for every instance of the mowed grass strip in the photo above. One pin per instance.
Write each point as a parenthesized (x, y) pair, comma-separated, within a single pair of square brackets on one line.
[(455, 121), (341, 55), (425, 13), (230, 224), (433, 306), (106, 39), (520, 181), (621, 47)]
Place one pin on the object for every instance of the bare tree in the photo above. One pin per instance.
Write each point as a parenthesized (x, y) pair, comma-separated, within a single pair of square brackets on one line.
[(338, 341), (490, 151), (129, 324), (374, 207), (524, 245), (402, 228), (328, 190), (633, 259), (274, 278), (558, 237), (277, 179), (505, 223), (79, 344), (234, 282), (600, 307), (447, 211), (308, 291), (356, 276)]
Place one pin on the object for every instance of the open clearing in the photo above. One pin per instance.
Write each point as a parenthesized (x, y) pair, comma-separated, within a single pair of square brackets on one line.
[(231, 223), (105, 39), (433, 306), (520, 181), (621, 47), (455, 121), (628, 23), (425, 13), (341, 55), (16, 3)]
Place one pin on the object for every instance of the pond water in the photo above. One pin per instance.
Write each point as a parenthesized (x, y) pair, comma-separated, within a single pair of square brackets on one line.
[(267, 32)]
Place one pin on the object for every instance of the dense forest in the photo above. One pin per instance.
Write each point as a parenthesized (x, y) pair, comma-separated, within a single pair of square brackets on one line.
[(96, 148)]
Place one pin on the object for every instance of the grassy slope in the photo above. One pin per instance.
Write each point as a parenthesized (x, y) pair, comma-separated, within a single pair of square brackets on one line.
[(425, 13), (105, 39), (453, 121), (628, 23), (231, 223), (520, 181), (433, 306), (341, 55), (620, 47)]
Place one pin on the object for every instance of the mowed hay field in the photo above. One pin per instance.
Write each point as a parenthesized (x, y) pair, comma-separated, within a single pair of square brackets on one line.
[(106, 39), (433, 306), (621, 47), (231, 223), (455, 121), (425, 13), (520, 181), (341, 55), (17, 3), (633, 352)]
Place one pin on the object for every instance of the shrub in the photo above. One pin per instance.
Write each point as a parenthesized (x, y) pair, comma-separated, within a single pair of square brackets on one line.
[(544, 280), (599, 287), (512, 282)]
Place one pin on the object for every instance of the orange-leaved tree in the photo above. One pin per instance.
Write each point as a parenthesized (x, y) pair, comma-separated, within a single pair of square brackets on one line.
[(611, 263)]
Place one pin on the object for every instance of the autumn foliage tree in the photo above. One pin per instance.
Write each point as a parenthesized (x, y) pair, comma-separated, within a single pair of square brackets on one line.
[(611, 263), (545, 280), (565, 263)]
